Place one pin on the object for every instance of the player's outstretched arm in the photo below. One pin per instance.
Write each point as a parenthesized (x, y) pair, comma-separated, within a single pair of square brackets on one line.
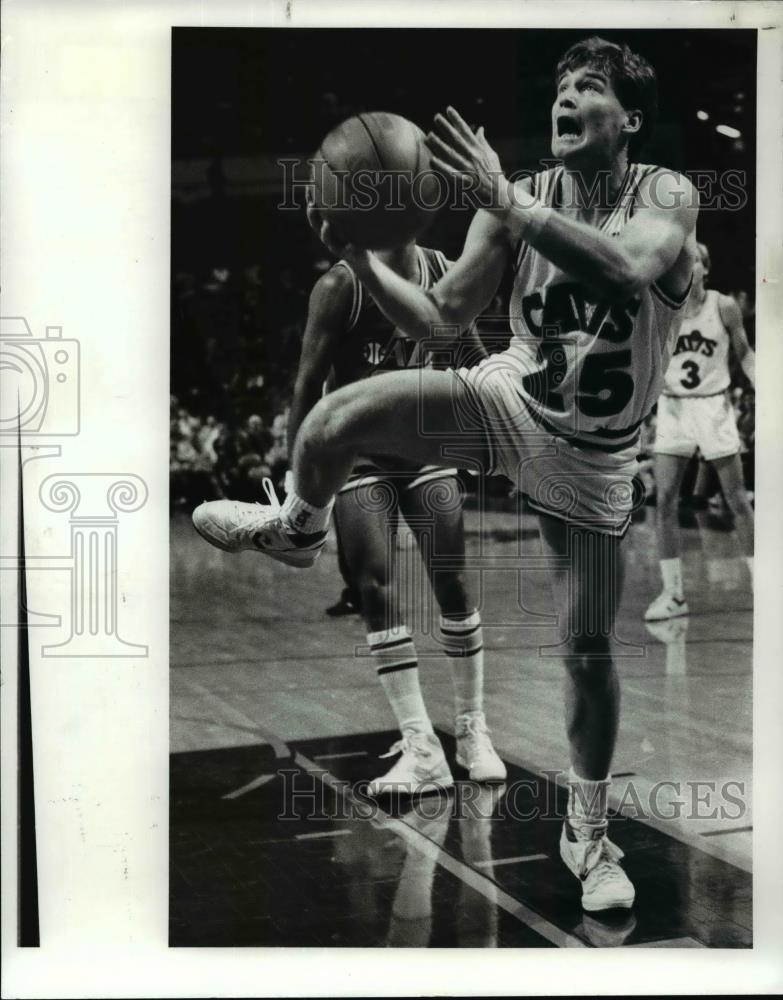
[(327, 319), (454, 301), (647, 249), (614, 267), (731, 317)]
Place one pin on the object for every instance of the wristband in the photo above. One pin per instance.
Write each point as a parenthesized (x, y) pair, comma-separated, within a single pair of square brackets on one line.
[(536, 217), (528, 216)]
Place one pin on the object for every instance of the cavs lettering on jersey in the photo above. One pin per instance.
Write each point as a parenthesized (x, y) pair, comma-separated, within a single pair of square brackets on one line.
[(588, 369), (372, 344), (700, 362)]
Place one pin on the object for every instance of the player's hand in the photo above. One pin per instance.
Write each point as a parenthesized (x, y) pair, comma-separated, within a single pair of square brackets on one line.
[(355, 256), (459, 152)]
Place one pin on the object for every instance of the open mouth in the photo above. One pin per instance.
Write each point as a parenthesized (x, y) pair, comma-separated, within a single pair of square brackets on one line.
[(568, 127)]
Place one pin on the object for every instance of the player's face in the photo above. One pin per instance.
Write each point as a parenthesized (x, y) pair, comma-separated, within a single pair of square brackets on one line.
[(587, 117)]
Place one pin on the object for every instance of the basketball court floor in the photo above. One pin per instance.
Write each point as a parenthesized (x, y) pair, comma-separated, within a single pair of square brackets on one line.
[(277, 718)]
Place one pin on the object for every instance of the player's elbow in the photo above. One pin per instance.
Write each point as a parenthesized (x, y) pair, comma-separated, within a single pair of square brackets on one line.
[(448, 312), (623, 279)]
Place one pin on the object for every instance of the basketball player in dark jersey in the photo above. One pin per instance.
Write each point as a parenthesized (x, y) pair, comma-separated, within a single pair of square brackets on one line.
[(604, 250), (695, 412), (347, 338)]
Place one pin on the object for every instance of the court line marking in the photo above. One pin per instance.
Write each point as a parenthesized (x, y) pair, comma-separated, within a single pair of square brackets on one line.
[(468, 876), (683, 942), (721, 833), (323, 833), (694, 840), (511, 861), (226, 709), (340, 756), (262, 779)]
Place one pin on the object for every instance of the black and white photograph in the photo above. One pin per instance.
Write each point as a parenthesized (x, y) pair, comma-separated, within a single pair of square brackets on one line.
[(390, 549), (462, 414)]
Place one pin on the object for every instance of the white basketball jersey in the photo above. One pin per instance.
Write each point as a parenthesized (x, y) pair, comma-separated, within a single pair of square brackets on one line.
[(588, 369), (700, 361)]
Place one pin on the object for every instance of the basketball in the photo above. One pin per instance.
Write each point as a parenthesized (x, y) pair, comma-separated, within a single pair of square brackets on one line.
[(373, 182)]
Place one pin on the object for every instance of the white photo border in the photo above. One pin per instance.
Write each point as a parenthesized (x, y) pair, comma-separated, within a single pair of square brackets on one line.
[(85, 237)]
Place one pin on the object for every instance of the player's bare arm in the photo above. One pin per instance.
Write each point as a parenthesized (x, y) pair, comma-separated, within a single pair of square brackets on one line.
[(655, 245), (466, 289), (327, 320), (731, 317)]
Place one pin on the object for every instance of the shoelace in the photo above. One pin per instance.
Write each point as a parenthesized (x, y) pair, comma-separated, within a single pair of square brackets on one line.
[(269, 489), (475, 728), (246, 514), (404, 745), (600, 860)]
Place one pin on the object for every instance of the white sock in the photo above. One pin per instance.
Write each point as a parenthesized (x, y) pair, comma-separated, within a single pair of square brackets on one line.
[(398, 670), (749, 561), (671, 573), (464, 645), (587, 804), (303, 516)]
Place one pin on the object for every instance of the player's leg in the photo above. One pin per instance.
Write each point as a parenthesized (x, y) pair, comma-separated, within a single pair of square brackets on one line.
[(587, 592), (669, 471), (367, 519), (432, 506), (405, 414), (732, 483), (349, 602)]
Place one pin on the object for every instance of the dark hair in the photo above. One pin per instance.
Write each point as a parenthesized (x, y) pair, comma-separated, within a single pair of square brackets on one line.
[(633, 79)]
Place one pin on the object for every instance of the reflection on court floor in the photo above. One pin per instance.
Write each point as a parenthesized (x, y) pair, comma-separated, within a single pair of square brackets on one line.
[(277, 719)]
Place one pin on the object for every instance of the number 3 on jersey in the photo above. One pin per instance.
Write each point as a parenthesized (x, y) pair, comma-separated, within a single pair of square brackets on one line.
[(692, 379)]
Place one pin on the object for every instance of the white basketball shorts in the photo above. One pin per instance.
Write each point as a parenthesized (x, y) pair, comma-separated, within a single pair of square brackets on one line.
[(685, 423), (559, 476)]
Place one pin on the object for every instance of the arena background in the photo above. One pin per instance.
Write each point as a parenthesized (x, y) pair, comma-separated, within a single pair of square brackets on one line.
[(242, 269)]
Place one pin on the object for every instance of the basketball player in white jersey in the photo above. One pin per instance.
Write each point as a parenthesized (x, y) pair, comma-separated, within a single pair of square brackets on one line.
[(604, 250), (348, 338), (695, 412)]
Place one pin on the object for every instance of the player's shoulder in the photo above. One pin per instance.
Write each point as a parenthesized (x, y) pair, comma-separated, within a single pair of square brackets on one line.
[(728, 307), (334, 293), (336, 284), (663, 187), (339, 277)]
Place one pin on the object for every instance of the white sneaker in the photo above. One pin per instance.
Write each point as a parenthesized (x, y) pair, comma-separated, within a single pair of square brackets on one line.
[(595, 863), (233, 526), (475, 751), (669, 630), (421, 769), (666, 605)]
